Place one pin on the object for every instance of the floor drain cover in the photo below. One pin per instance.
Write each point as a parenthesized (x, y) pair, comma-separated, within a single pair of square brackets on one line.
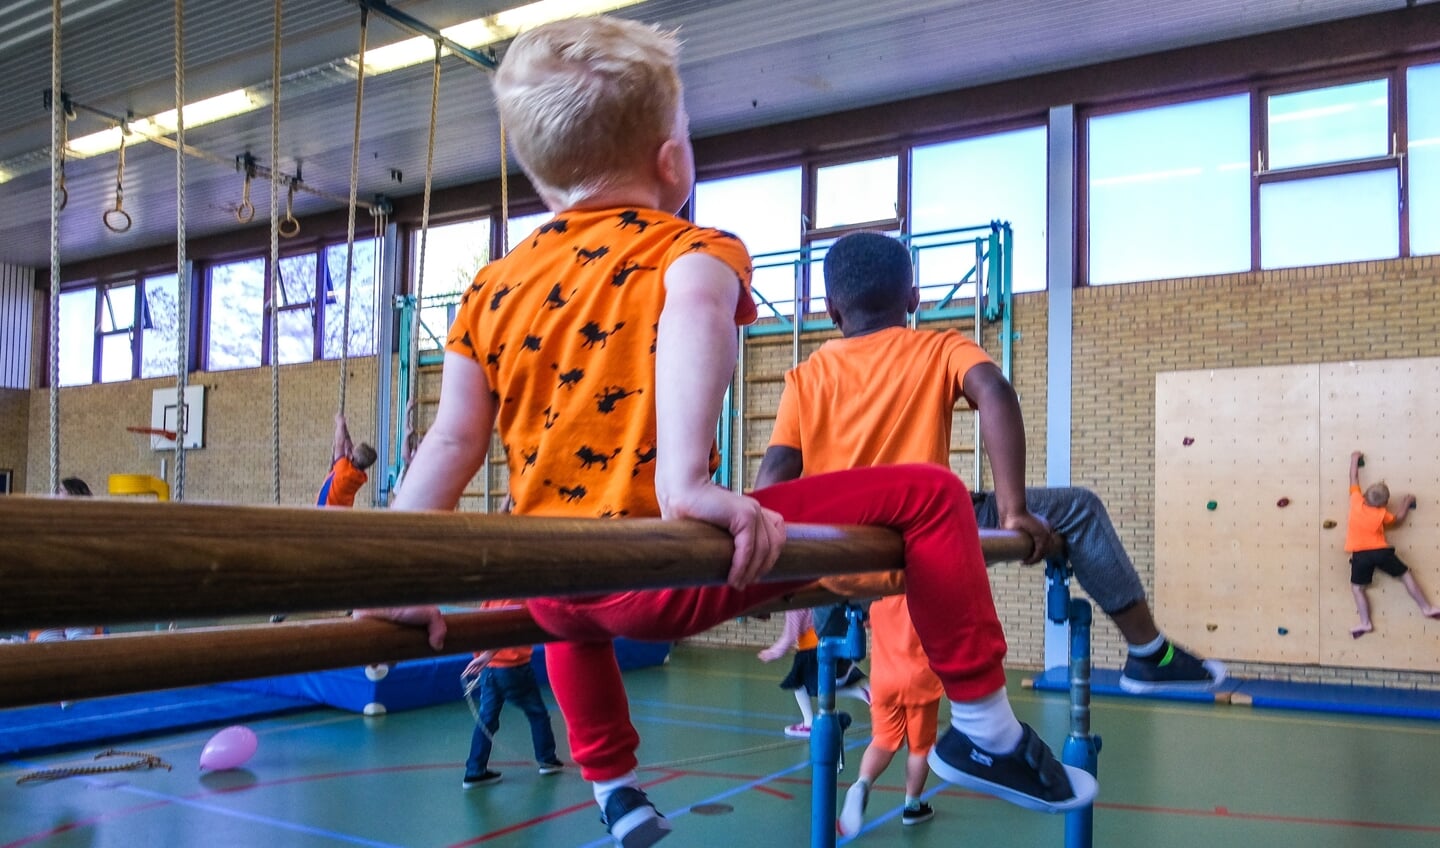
[(712, 809)]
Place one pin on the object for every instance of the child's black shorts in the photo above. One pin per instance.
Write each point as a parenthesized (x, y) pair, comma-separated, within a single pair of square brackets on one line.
[(1364, 563)]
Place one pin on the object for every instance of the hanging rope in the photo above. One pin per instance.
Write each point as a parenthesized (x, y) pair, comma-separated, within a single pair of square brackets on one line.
[(57, 117), (275, 263), (354, 192), (182, 265), (415, 322), (117, 220), (139, 760), (504, 195), (64, 143)]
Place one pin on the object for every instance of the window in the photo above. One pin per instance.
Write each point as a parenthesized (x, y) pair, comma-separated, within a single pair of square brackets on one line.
[(970, 183), (1169, 191), (237, 320), (453, 253), (159, 327), (77, 337), (360, 307), (117, 333), (295, 307), (764, 210), (1329, 186), (1423, 163), (857, 193), (520, 228)]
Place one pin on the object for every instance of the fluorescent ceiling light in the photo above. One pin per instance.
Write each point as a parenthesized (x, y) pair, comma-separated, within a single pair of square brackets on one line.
[(482, 32), (477, 33)]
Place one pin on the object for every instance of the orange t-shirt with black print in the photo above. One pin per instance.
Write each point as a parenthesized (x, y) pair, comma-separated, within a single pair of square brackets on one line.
[(899, 669), (565, 328), (342, 484), (883, 398), (1366, 528)]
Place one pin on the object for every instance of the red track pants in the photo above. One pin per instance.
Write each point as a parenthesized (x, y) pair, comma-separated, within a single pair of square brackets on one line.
[(946, 585)]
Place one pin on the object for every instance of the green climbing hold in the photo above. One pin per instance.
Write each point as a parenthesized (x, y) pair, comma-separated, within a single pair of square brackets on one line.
[(1211, 506)]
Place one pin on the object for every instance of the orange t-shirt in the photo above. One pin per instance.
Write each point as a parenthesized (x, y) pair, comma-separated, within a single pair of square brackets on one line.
[(565, 328), (508, 657), (1366, 528), (342, 484), (899, 670), (879, 399)]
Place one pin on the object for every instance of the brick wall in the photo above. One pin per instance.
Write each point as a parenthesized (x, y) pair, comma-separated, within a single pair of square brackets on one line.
[(14, 435)]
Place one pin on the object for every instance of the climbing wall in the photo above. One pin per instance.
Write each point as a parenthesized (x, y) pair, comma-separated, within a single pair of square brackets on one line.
[(1250, 465), (1234, 570)]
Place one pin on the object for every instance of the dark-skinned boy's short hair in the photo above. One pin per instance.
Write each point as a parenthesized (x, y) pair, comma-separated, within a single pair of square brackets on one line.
[(363, 456), (868, 273)]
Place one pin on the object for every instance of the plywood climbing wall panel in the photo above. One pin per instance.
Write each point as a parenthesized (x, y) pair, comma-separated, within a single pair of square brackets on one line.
[(1252, 579), (1234, 568), (1390, 411)]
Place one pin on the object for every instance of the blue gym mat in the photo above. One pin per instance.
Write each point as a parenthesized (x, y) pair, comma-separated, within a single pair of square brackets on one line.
[(1267, 694), (37, 730)]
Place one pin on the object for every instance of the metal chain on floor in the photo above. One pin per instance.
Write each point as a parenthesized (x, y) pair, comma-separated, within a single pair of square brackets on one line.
[(139, 760)]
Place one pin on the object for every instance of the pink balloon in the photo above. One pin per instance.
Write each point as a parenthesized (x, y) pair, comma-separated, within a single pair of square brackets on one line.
[(229, 748)]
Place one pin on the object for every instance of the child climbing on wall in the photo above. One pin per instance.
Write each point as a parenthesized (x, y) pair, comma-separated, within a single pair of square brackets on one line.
[(1368, 549), (803, 679)]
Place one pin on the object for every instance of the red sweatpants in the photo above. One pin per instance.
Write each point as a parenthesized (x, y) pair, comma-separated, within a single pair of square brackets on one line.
[(946, 585)]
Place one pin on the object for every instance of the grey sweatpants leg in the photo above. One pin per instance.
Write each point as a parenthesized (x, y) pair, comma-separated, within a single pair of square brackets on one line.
[(1101, 564)]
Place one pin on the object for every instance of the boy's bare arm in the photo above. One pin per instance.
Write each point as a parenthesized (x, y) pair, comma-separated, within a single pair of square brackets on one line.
[(779, 464), (1355, 458), (694, 361), (341, 444), (1002, 428), (1407, 503)]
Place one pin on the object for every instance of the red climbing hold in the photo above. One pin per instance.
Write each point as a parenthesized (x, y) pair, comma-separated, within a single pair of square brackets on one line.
[(1283, 502), (1187, 441)]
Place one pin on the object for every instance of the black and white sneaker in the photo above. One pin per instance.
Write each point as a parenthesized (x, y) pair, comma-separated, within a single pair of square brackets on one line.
[(552, 767), (632, 820), (485, 778), (1171, 670), (1029, 776), (917, 815)]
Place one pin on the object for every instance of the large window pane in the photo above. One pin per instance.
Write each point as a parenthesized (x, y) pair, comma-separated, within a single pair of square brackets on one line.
[(77, 337), (857, 192), (117, 322), (764, 211), (1170, 191), (973, 182), (1423, 187), (1346, 218), (237, 294), (159, 327), (362, 296), (1323, 125), (295, 294), (453, 253), (117, 357)]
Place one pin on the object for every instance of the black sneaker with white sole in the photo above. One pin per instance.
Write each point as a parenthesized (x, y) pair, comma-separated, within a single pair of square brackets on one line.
[(485, 778), (632, 820), (1173, 669), (917, 815), (1029, 776)]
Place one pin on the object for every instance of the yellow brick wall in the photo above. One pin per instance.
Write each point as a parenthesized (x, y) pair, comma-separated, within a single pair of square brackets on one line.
[(14, 434)]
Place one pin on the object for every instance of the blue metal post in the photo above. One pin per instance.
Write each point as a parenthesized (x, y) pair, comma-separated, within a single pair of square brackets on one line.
[(1081, 748), (827, 731)]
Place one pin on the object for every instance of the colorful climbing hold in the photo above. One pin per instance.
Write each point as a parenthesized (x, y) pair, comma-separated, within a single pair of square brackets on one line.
[(1211, 506), (1283, 631), (1283, 502), (1187, 441), (1211, 627), (1360, 463), (1329, 524)]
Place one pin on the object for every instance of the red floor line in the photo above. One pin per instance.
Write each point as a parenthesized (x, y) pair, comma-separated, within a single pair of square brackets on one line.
[(565, 811), (776, 792)]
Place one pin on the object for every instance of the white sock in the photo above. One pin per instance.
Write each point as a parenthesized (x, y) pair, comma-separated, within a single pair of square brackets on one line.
[(989, 722), (603, 788), (1149, 649), (802, 698)]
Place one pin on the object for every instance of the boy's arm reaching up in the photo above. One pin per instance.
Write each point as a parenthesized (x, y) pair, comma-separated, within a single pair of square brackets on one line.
[(1002, 428), (341, 444), (694, 361), (451, 453)]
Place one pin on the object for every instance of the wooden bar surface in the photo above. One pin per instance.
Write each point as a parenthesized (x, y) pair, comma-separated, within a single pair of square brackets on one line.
[(84, 562)]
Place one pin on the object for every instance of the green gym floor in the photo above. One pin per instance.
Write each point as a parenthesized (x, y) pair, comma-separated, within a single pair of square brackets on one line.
[(1172, 775)]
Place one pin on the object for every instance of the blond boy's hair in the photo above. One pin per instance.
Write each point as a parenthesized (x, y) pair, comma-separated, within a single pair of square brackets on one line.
[(586, 102), (1377, 495)]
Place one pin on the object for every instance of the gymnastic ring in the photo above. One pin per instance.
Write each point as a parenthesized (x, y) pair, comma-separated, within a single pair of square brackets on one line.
[(245, 212), (105, 219), (64, 196), (289, 227)]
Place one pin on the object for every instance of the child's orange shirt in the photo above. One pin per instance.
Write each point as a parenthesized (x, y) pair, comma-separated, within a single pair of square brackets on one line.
[(879, 399), (565, 328), (508, 657), (342, 484), (1366, 529), (899, 670)]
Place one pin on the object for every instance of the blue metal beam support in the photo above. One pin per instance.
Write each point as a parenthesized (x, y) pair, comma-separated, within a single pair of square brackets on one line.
[(1081, 748), (419, 27), (827, 732)]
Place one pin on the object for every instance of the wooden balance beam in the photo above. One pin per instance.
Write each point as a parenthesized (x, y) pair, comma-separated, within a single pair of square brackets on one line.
[(70, 561)]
